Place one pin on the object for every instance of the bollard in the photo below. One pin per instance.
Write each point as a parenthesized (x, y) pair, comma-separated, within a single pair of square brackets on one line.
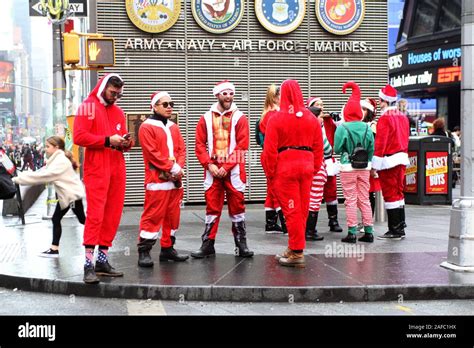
[(379, 207)]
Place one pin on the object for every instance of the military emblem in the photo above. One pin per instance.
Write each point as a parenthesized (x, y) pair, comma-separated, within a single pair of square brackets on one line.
[(340, 17), (217, 16), (280, 16), (153, 16)]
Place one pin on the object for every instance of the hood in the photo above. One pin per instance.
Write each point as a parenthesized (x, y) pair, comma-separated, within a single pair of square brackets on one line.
[(99, 88), (291, 98), (352, 110)]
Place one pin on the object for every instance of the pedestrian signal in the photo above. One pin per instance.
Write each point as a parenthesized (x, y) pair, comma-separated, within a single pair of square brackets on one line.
[(100, 52), (71, 48)]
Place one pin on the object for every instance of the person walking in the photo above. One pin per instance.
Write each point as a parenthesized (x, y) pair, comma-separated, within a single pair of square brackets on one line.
[(164, 154), (390, 160), (354, 141), (60, 170), (272, 208), (222, 141), (99, 127), (292, 155)]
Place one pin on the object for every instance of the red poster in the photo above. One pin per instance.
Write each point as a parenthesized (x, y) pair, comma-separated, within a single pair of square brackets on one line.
[(411, 173), (436, 172)]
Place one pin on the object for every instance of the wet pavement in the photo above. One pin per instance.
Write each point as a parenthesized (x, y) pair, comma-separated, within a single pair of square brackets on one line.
[(382, 271)]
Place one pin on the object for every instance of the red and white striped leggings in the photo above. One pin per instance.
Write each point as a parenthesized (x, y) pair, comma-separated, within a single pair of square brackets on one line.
[(317, 189), (355, 186)]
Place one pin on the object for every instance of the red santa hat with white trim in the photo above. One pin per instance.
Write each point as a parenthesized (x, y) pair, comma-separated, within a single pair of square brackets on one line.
[(222, 86), (369, 104), (388, 93), (155, 97), (352, 110), (312, 100)]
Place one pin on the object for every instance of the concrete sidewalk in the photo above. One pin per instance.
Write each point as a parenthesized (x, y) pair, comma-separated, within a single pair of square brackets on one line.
[(335, 271)]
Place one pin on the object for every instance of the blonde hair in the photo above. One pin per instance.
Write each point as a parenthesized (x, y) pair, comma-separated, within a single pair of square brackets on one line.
[(61, 145), (272, 92)]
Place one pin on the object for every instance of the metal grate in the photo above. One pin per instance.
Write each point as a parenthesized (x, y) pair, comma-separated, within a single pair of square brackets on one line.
[(190, 75)]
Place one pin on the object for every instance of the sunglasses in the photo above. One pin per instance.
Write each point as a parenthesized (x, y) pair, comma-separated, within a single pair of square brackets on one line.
[(227, 93), (166, 104), (116, 94)]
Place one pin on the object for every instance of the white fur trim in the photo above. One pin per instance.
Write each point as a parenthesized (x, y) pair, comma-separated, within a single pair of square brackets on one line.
[(102, 87), (332, 168), (149, 235), (385, 97), (332, 202), (238, 184), (394, 205), (158, 97), (210, 219), (166, 129), (365, 104), (237, 218), (160, 186), (387, 162), (222, 87), (173, 232), (175, 169)]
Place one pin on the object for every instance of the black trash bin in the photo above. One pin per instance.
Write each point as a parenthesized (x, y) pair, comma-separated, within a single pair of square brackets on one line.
[(428, 178)]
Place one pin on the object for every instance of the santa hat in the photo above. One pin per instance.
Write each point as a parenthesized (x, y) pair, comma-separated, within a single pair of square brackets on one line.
[(222, 86), (352, 110), (369, 104), (157, 96), (388, 93), (312, 100)]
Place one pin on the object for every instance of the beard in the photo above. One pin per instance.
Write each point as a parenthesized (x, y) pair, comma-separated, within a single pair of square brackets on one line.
[(225, 105)]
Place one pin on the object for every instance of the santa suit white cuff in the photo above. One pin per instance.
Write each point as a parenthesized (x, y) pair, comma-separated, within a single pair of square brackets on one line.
[(175, 169)]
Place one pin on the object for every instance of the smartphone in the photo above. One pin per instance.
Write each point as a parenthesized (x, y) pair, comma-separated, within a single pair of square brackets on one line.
[(126, 136)]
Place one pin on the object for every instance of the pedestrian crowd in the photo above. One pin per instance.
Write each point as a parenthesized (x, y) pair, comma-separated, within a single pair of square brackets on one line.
[(300, 141)]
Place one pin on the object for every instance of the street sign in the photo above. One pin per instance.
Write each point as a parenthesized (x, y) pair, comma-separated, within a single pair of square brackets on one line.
[(78, 8)]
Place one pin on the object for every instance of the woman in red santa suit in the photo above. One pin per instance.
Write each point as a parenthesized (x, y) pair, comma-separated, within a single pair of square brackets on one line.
[(222, 141), (164, 154), (293, 153), (390, 160), (99, 127)]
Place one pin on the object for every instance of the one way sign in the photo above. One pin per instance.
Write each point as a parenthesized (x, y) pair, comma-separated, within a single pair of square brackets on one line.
[(78, 8)]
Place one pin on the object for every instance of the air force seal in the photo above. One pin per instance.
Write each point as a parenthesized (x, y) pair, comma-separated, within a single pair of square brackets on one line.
[(217, 16), (340, 17), (153, 16), (280, 16)]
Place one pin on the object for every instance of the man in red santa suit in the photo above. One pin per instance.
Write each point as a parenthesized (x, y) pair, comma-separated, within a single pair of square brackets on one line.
[(99, 126), (390, 160), (164, 154), (330, 187), (292, 155), (222, 141)]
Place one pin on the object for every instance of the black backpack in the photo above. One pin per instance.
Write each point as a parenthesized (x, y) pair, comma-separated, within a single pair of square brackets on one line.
[(359, 157)]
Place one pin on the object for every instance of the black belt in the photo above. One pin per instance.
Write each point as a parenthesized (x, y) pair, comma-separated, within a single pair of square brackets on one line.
[(303, 148)]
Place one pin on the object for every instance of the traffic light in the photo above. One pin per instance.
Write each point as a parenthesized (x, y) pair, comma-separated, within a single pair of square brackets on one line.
[(100, 51), (71, 48)]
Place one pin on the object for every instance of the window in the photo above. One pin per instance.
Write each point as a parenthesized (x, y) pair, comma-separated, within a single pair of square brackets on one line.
[(450, 17), (425, 17)]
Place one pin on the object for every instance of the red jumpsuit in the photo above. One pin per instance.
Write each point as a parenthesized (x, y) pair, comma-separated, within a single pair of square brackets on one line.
[(271, 202), (291, 169), (163, 150), (234, 124), (104, 167), (330, 188), (391, 155)]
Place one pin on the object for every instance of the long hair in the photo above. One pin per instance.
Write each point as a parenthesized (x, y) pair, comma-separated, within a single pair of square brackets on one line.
[(272, 92), (59, 143)]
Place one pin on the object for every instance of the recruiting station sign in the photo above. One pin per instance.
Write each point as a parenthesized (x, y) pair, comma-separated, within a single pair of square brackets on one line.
[(436, 172), (411, 173)]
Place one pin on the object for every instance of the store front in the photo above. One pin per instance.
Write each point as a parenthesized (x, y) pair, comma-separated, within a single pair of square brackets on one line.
[(185, 49)]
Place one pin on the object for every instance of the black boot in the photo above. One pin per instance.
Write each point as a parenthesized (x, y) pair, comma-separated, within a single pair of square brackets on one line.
[(173, 240), (170, 254), (350, 238), (283, 221), (394, 226), (144, 259), (207, 246), (402, 216), (271, 225), (311, 231), (240, 239), (144, 248), (332, 216)]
